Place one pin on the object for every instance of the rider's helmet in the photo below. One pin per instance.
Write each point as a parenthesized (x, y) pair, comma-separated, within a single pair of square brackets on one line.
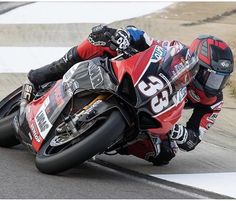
[(215, 64)]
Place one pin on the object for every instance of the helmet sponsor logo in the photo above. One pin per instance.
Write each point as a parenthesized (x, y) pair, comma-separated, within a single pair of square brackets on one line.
[(225, 64)]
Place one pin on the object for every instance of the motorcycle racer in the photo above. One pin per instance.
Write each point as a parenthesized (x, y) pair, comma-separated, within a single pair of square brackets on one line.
[(204, 93)]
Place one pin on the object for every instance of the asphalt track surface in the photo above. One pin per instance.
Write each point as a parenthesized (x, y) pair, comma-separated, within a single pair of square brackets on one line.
[(19, 179)]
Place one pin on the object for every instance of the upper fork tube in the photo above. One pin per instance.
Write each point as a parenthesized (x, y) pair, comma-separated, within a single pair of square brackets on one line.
[(26, 97), (69, 121)]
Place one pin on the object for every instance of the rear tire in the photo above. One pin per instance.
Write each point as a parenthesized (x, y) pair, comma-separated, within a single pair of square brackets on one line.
[(96, 142), (8, 110)]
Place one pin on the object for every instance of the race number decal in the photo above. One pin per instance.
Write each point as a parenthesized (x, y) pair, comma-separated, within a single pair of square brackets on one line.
[(158, 103), (152, 87)]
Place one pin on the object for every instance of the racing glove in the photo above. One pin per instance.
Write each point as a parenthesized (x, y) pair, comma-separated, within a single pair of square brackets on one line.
[(121, 39), (116, 39), (186, 139), (101, 35)]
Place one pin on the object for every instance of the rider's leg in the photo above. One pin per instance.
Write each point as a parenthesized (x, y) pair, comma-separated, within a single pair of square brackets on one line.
[(55, 70), (152, 149)]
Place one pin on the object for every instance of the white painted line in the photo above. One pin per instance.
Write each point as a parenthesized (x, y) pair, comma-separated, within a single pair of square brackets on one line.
[(22, 59), (221, 183)]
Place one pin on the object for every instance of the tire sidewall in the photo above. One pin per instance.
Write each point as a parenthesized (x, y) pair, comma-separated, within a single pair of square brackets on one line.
[(8, 132), (95, 143)]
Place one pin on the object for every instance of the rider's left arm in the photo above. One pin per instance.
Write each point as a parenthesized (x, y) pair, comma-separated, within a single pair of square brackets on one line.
[(203, 117)]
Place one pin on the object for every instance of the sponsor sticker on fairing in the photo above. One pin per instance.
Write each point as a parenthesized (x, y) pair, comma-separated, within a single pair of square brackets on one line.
[(95, 75), (157, 54), (42, 121), (180, 96), (34, 134)]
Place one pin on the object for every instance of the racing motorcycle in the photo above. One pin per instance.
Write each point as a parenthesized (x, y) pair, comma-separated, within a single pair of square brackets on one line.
[(98, 107)]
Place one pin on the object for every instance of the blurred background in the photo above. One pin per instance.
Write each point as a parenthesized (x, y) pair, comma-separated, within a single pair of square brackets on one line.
[(36, 33)]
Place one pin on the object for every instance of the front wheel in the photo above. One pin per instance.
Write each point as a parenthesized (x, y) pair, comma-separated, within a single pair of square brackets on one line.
[(98, 136)]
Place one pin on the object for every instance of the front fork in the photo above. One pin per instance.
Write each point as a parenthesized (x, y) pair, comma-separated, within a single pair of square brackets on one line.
[(94, 109), (26, 97), (71, 123)]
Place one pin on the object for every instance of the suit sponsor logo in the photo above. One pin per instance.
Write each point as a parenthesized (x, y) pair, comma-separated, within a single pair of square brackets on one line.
[(194, 95)]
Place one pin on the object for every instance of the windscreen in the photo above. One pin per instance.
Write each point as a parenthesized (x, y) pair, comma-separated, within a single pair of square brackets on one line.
[(180, 71)]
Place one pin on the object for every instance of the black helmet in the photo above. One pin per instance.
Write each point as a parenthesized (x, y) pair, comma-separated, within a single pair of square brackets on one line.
[(215, 63)]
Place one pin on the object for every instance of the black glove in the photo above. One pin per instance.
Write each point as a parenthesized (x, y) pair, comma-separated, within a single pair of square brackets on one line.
[(167, 152), (104, 36), (121, 39), (101, 35)]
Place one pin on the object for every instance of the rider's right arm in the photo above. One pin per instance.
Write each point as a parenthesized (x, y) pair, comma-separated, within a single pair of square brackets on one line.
[(86, 50)]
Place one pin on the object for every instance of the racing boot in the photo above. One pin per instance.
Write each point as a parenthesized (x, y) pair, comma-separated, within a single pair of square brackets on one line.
[(55, 70), (168, 150)]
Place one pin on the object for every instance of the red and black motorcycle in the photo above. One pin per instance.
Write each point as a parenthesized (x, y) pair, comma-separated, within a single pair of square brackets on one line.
[(99, 106)]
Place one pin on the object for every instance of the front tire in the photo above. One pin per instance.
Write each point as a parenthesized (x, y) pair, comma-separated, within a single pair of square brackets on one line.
[(95, 142)]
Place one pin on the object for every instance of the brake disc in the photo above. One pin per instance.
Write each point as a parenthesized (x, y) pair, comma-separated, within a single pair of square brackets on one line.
[(67, 136)]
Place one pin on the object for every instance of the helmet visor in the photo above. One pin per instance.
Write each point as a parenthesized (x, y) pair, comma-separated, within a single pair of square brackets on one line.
[(216, 81)]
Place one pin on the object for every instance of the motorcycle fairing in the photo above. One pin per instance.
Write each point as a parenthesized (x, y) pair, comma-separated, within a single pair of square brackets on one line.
[(155, 78), (42, 113)]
